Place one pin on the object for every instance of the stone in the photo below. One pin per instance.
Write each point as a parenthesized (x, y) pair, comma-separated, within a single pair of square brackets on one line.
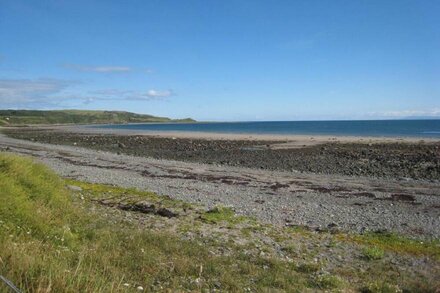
[(74, 188)]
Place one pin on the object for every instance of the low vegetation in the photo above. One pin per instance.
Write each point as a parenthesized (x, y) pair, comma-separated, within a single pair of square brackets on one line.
[(51, 242), (372, 253), (67, 236), (31, 117), (387, 241), (221, 214)]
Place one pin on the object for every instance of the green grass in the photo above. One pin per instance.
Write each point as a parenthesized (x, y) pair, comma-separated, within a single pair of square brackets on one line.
[(327, 282), (49, 241), (395, 243), (53, 238), (29, 117), (220, 214), (381, 287), (308, 268), (372, 253)]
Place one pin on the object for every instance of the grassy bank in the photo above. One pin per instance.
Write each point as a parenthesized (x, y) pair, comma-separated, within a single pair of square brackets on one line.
[(31, 117), (67, 236)]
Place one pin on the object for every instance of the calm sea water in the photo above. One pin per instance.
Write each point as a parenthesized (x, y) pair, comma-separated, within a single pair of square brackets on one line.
[(384, 128)]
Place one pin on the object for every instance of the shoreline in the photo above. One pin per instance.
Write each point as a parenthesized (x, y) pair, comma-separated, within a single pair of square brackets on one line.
[(353, 156), (280, 197), (296, 139)]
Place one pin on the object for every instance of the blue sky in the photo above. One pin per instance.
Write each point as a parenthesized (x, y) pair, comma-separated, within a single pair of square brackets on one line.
[(223, 60)]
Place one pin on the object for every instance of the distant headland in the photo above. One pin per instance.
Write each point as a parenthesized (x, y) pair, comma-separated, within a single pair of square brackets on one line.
[(32, 117)]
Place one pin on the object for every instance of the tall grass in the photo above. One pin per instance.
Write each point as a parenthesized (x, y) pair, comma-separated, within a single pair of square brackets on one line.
[(51, 242)]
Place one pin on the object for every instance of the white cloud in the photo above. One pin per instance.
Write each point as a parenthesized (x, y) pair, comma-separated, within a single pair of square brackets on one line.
[(99, 69), (159, 94)]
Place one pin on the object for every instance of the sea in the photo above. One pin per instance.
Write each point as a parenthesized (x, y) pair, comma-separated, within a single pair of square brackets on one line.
[(378, 128)]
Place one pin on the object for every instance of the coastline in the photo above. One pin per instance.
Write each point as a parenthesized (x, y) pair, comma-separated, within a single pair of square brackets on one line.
[(295, 140), (354, 156), (315, 199), (327, 222)]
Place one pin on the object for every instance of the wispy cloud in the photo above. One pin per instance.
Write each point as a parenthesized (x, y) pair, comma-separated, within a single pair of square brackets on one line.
[(106, 68), (99, 69), (408, 113), (56, 92), (28, 91), (112, 94)]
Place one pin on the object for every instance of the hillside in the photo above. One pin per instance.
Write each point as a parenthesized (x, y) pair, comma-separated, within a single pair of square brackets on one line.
[(27, 117)]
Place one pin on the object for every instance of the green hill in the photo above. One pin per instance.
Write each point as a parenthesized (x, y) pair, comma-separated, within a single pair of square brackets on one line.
[(28, 117)]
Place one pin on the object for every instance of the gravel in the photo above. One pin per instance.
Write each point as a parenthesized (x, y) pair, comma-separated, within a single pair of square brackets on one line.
[(419, 160), (318, 201)]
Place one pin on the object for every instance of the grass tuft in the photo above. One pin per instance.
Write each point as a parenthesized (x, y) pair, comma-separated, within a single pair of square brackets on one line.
[(308, 268), (221, 214), (380, 287), (372, 253), (327, 282), (395, 243)]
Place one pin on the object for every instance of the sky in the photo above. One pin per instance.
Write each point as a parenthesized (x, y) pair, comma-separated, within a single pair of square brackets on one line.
[(228, 60)]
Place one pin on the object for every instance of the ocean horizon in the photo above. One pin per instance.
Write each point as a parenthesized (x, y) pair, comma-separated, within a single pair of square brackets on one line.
[(429, 128)]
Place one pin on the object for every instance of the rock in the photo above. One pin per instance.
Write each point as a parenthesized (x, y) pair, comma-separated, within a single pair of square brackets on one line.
[(166, 213), (146, 208), (332, 225), (333, 228), (74, 188)]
